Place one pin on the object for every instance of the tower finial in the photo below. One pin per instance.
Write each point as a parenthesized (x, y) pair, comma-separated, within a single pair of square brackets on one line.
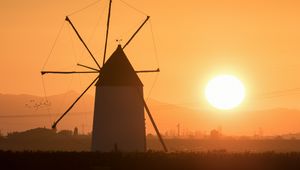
[(119, 41)]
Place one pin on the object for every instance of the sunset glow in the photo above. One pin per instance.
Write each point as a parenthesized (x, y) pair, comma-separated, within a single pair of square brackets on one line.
[(191, 42), (225, 92)]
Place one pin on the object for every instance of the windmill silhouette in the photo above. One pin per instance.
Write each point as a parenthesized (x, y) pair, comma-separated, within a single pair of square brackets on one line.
[(119, 121)]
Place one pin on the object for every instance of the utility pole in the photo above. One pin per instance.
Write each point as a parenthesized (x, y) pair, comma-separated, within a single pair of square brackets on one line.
[(178, 129)]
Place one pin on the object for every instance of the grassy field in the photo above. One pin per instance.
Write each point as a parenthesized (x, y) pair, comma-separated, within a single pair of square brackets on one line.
[(216, 160)]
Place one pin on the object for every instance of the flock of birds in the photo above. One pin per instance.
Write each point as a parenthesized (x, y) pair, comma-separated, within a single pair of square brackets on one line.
[(37, 105)]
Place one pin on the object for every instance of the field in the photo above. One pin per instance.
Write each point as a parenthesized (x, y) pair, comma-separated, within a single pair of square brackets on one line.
[(217, 160)]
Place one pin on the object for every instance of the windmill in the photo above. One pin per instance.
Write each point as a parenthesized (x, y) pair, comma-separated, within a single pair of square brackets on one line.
[(119, 121)]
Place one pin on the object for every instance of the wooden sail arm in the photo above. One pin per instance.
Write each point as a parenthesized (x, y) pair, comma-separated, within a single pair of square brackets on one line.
[(152, 122), (155, 127), (136, 32), (107, 31), (67, 72), (78, 35), (88, 67), (67, 111), (148, 71)]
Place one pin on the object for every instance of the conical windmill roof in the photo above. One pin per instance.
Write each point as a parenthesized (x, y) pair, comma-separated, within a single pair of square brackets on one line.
[(117, 71)]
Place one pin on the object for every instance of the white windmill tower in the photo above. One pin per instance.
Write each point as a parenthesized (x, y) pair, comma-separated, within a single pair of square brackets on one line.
[(119, 121)]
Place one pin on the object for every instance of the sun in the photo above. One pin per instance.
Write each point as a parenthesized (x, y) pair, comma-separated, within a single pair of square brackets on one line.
[(225, 92)]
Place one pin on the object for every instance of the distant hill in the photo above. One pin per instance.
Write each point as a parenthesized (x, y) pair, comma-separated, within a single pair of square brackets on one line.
[(28, 104), (21, 112)]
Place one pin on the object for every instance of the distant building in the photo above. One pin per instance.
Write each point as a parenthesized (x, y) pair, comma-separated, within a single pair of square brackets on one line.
[(215, 134)]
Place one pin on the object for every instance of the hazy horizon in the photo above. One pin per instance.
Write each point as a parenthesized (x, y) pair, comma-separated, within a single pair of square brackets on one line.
[(19, 114)]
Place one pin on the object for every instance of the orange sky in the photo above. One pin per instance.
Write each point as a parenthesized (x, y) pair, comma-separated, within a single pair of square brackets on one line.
[(196, 39)]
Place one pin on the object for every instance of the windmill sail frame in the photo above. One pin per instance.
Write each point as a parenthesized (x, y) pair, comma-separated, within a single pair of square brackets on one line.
[(100, 72)]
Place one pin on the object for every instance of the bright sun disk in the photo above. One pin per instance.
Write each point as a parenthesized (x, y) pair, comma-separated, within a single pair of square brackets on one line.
[(225, 92)]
